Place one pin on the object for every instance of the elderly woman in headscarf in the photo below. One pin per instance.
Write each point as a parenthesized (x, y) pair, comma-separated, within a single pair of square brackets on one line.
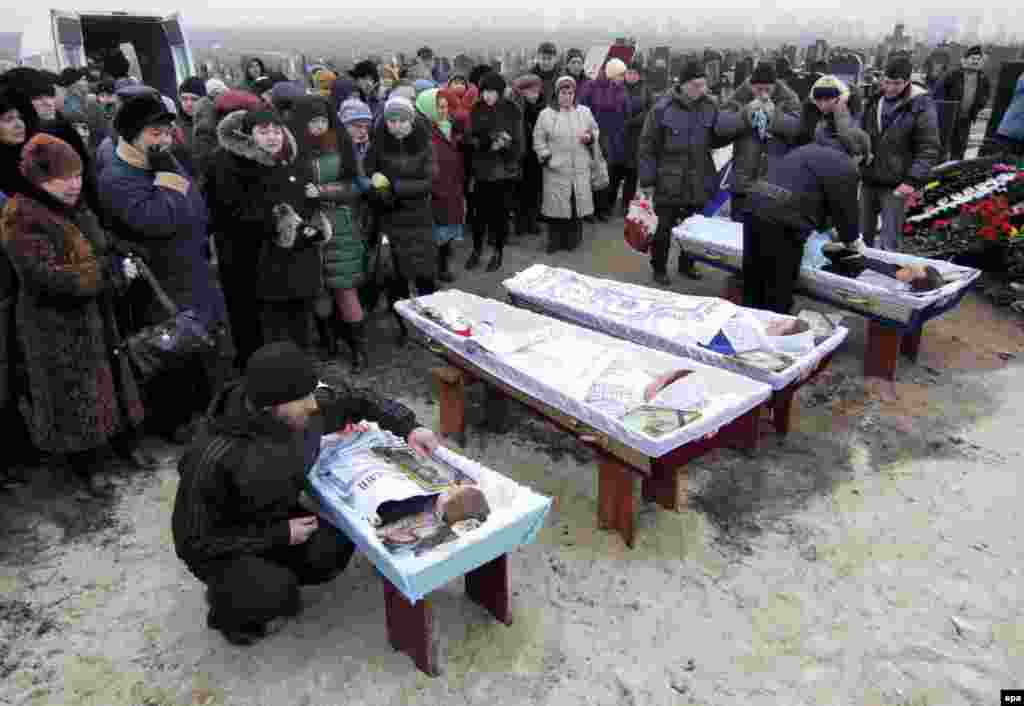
[(447, 196), (528, 90), (401, 164), (338, 186), (564, 139)]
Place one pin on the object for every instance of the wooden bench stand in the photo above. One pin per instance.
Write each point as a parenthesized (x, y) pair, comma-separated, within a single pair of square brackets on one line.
[(663, 478), (410, 626)]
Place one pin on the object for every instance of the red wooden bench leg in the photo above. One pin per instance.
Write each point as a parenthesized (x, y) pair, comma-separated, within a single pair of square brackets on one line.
[(411, 628), (488, 586), (663, 485), (615, 498), (782, 410), (451, 393), (883, 350), (910, 346)]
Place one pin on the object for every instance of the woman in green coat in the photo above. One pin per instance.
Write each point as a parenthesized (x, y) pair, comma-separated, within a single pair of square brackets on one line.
[(339, 188)]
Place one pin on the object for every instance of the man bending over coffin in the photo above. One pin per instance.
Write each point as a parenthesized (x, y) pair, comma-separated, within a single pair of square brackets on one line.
[(237, 522), (812, 187)]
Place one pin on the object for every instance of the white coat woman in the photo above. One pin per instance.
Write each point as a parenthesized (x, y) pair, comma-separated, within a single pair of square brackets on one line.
[(563, 139)]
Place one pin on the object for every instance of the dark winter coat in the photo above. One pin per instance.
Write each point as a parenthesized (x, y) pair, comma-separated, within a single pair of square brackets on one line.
[(485, 125), (811, 118), (751, 156), (209, 113), (809, 189), (951, 88), (909, 146), (80, 393), (641, 101), (405, 213), (253, 197), (675, 150), (530, 169), (610, 104), (165, 215), (241, 504), (547, 96), (447, 195)]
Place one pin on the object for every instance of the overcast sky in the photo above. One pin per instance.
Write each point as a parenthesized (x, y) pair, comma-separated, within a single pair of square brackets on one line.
[(877, 16)]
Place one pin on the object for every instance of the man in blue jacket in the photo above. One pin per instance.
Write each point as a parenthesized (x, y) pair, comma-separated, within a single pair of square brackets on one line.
[(810, 189), (153, 205)]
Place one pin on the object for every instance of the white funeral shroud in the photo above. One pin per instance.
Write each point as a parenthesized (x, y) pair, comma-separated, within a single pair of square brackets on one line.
[(721, 240), (675, 323), (559, 364), (517, 514)]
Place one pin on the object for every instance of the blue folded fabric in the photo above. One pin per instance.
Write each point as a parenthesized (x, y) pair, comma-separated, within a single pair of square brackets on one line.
[(720, 344)]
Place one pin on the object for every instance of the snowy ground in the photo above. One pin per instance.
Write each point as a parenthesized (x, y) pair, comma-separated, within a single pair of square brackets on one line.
[(872, 559)]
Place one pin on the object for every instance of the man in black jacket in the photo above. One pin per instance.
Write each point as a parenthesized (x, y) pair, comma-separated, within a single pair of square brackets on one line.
[(808, 189), (237, 522), (971, 89), (548, 70), (904, 131)]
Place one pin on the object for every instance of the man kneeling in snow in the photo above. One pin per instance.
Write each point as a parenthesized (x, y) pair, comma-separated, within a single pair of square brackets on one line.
[(237, 522)]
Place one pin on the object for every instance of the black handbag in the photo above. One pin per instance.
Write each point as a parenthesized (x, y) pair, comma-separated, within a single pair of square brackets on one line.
[(171, 344)]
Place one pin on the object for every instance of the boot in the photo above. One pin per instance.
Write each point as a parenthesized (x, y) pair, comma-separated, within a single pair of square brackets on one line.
[(474, 260), (403, 332), (495, 264), (324, 330), (574, 237), (555, 238), (360, 358), (444, 254)]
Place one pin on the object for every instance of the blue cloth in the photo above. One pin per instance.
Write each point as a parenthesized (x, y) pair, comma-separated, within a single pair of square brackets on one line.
[(171, 230), (1012, 124), (448, 234), (720, 344)]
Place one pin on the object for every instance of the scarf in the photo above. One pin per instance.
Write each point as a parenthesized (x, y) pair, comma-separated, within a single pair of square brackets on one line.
[(426, 103)]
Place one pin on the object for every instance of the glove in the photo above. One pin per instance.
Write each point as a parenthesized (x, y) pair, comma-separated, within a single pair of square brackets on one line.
[(312, 235), (380, 181), (363, 184), (161, 160), (129, 268), (857, 246)]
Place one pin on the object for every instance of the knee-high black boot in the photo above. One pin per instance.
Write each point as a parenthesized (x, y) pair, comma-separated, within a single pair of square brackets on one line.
[(354, 334)]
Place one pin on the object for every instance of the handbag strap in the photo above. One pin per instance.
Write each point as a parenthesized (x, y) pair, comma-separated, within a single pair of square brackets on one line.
[(158, 291)]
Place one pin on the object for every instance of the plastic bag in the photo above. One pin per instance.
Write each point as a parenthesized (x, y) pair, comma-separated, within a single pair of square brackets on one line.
[(641, 225), (813, 256)]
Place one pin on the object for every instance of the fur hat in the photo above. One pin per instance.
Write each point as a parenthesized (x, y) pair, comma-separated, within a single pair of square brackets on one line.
[(70, 76), (30, 83), (478, 72), (573, 54), (548, 48), (193, 85), (493, 81), (46, 157), (899, 68), (279, 373), (976, 50), (354, 109), (365, 69), (764, 73), (140, 111), (692, 70), (614, 68), (399, 107), (233, 99)]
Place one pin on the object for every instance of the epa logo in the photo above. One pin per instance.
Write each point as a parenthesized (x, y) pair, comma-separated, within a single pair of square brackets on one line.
[(1013, 696)]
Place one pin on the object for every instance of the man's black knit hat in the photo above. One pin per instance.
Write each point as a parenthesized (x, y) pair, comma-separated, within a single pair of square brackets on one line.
[(279, 373)]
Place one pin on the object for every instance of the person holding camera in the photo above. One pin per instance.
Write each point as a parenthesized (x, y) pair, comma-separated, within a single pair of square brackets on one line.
[(154, 208), (269, 232)]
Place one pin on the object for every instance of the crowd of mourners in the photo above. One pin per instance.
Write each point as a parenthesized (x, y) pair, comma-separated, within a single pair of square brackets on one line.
[(276, 211), (276, 215)]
